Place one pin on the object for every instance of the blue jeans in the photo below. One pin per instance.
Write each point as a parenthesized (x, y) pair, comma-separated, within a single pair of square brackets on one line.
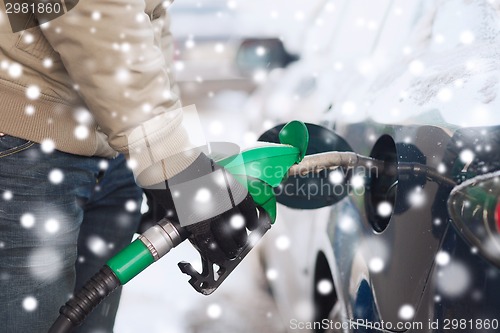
[(62, 216)]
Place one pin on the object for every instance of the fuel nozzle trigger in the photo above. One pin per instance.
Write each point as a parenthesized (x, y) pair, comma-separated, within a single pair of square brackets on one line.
[(260, 170)]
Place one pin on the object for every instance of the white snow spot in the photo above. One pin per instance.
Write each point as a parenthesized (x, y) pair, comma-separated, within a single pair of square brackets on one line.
[(33, 92), (2, 245), (219, 48), (384, 209), (29, 110), (442, 258), (282, 242), (132, 164), (146, 107), (445, 94), (122, 75), (189, 44), (83, 116), (96, 16), (365, 67), (52, 226), (220, 179), (406, 312), (232, 4), (47, 62), (214, 311), (260, 51), (15, 70), (453, 279), (360, 22), (348, 107), (357, 181), (81, 132), (131, 205), (27, 220), (458, 83), (471, 65), (97, 245), (268, 124), (299, 15), (48, 146), (416, 67), (336, 177), (7, 195), (125, 47), (467, 37), (30, 304), (203, 195), (330, 6), (437, 298), (103, 164), (45, 264), (416, 198), (272, 274), (179, 66), (56, 176), (237, 221), (259, 76), (28, 38), (441, 168), (140, 17), (324, 287), (372, 25), (467, 156), (439, 39), (376, 265), (347, 224)]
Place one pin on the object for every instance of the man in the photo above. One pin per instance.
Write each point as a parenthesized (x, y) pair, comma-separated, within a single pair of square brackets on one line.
[(77, 94)]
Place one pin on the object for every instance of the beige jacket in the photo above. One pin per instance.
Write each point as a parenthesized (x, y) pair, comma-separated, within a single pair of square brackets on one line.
[(89, 78)]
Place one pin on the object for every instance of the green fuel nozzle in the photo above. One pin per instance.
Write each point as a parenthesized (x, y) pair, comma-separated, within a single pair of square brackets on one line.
[(263, 168)]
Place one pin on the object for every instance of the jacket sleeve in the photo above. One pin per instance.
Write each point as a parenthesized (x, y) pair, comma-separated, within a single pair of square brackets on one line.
[(113, 52)]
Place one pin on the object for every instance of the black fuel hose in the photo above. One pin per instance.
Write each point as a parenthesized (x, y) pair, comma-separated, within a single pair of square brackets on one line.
[(74, 312)]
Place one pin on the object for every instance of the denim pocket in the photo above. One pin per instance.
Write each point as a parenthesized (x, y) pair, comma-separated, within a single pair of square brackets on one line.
[(11, 145)]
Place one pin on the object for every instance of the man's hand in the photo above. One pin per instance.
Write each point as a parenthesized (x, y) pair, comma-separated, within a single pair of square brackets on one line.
[(213, 206)]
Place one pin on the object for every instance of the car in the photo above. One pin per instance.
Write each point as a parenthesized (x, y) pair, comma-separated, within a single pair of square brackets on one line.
[(402, 251), (208, 36)]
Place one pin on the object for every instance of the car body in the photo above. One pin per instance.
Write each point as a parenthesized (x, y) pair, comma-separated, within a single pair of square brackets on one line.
[(431, 100)]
